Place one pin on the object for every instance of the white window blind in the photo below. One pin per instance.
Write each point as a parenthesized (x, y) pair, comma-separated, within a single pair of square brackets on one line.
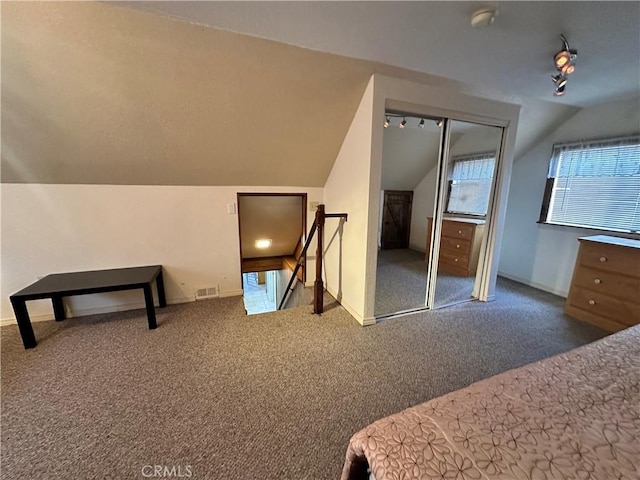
[(470, 183), (596, 184)]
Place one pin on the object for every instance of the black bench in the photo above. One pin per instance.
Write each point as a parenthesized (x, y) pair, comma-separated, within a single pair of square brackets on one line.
[(60, 285)]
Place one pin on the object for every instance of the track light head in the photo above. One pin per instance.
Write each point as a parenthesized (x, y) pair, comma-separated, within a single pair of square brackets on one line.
[(403, 123), (564, 63), (421, 124), (386, 122), (559, 91), (559, 80), (439, 123)]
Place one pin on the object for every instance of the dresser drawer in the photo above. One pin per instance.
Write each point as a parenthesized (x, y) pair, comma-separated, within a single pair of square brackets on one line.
[(627, 313), (608, 283), (459, 261), (609, 257), (455, 246), (463, 231)]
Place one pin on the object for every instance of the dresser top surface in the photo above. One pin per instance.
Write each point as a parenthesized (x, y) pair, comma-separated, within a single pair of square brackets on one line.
[(474, 221), (621, 242)]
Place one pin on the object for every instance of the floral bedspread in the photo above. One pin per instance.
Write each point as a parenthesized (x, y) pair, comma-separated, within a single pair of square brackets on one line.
[(574, 416)]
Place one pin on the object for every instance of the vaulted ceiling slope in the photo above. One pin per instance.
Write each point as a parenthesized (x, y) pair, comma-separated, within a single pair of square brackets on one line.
[(99, 94), (511, 57)]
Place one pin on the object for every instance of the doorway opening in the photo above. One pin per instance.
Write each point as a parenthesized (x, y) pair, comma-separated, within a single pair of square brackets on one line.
[(272, 233), (396, 219), (260, 292)]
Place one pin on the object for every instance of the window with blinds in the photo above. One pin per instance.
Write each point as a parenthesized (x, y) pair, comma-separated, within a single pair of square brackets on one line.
[(594, 184), (470, 184)]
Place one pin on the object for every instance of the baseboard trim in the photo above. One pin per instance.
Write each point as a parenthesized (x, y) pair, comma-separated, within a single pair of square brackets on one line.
[(537, 285), (360, 319), (45, 317), (369, 321), (232, 293)]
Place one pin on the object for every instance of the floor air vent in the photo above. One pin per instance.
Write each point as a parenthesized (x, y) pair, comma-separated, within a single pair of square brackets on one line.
[(204, 293)]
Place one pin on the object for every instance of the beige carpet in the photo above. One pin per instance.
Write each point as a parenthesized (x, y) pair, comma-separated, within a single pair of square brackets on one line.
[(401, 283), (274, 396)]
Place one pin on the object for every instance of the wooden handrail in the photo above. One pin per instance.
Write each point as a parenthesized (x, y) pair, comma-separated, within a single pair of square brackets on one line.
[(318, 285), (298, 265)]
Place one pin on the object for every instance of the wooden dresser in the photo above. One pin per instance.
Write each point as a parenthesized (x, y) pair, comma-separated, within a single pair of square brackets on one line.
[(459, 245), (605, 288)]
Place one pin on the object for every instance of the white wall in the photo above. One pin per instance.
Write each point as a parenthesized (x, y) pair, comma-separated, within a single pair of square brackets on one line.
[(348, 191), (544, 255), (407, 155), (478, 139), (424, 197), (65, 228)]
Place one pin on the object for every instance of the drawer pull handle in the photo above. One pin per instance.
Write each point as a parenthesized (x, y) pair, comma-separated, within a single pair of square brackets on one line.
[(455, 260), (592, 302), (457, 246), (597, 281), (603, 259), (460, 232)]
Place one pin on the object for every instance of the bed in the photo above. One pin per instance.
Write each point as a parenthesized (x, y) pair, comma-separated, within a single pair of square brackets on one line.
[(574, 416)]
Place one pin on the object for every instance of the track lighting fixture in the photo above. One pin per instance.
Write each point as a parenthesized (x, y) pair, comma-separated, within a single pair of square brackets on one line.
[(439, 123), (405, 121), (564, 63)]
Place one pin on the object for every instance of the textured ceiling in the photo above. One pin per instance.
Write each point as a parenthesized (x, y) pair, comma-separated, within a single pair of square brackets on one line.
[(94, 93), (511, 57), (97, 94), (277, 218)]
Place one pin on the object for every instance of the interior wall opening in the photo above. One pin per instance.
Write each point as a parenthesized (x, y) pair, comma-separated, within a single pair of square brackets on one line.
[(272, 232)]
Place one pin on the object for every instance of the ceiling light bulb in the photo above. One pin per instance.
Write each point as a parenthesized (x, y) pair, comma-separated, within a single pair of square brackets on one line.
[(386, 122), (568, 68), (561, 58), (263, 243), (403, 123), (421, 124)]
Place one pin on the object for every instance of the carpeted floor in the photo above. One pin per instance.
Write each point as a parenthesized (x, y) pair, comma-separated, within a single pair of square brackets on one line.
[(273, 396), (401, 283)]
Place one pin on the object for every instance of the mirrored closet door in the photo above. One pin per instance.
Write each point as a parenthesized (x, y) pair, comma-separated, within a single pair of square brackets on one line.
[(411, 151), (437, 182), (467, 181)]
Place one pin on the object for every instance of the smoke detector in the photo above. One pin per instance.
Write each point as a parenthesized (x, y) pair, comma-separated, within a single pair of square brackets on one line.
[(483, 17)]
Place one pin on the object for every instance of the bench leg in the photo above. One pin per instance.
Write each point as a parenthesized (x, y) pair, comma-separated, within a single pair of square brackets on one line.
[(24, 323), (148, 301), (58, 308), (162, 300)]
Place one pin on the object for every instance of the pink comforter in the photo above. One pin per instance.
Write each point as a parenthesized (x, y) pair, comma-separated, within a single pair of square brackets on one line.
[(575, 416)]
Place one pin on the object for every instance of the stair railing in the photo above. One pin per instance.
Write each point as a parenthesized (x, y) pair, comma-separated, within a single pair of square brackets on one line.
[(318, 285)]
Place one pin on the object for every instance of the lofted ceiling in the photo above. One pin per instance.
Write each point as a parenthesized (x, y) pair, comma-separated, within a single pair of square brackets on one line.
[(513, 56), (263, 93)]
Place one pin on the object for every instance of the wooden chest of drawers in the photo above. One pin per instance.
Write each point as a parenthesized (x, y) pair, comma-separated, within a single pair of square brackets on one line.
[(605, 288), (459, 245)]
